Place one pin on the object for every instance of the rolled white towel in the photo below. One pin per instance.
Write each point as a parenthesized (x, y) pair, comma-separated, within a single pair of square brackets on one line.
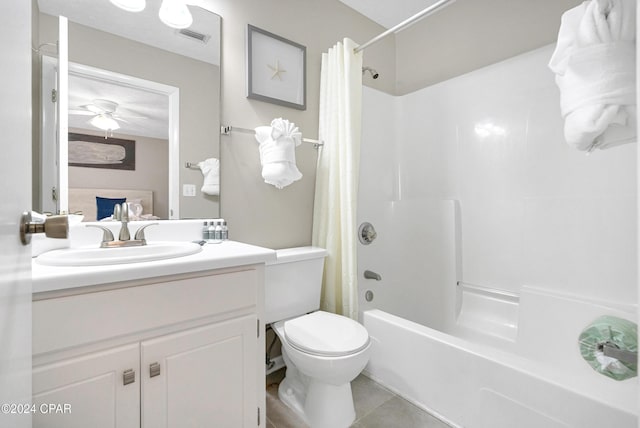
[(277, 152), (594, 63), (211, 170), (282, 128)]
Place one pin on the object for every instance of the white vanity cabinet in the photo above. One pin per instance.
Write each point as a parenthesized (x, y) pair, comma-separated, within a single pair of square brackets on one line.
[(200, 377), (179, 351), (92, 388)]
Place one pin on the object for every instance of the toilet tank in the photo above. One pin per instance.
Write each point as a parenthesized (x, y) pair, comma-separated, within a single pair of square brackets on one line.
[(293, 283)]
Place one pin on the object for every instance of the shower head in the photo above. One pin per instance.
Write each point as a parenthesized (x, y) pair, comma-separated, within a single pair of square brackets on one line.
[(374, 73)]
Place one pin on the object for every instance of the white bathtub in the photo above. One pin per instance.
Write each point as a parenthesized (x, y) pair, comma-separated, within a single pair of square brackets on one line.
[(526, 385), (480, 357)]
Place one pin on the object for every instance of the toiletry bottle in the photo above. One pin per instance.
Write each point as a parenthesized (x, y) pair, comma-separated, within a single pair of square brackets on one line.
[(225, 231), (205, 231), (218, 231), (211, 232)]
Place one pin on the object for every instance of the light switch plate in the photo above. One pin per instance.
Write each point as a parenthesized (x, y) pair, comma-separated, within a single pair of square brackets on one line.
[(188, 190)]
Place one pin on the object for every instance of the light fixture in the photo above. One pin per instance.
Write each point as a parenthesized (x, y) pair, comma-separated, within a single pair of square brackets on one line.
[(130, 5), (105, 122), (175, 14)]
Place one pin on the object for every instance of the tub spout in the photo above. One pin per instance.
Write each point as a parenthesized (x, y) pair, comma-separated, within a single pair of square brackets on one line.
[(612, 350), (368, 274)]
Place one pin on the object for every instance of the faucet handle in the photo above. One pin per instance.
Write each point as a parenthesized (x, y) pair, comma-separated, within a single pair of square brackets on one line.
[(107, 235), (140, 232)]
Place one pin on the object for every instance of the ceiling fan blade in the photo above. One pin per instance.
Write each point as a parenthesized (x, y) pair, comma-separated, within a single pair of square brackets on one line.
[(94, 108), (81, 112), (120, 119), (119, 116)]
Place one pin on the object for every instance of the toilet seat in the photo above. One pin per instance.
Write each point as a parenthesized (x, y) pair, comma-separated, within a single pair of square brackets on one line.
[(325, 334)]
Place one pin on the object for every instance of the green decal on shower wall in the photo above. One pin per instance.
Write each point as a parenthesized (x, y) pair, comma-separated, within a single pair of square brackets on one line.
[(618, 335)]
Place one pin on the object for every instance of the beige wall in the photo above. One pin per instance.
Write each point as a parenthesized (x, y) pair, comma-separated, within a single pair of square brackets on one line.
[(199, 95), (257, 212), (151, 173), (472, 34)]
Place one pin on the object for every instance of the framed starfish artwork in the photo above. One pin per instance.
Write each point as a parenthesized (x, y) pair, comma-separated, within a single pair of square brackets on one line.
[(276, 69)]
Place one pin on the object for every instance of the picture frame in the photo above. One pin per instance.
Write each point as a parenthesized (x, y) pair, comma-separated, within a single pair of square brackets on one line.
[(92, 151), (276, 69)]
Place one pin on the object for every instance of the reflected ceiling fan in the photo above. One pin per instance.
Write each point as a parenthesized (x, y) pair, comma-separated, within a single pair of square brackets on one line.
[(104, 114)]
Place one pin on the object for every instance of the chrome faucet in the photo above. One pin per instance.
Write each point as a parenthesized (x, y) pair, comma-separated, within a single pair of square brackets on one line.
[(121, 213), (368, 274)]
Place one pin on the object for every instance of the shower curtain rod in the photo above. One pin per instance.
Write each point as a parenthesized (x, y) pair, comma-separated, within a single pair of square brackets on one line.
[(227, 129), (407, 22)]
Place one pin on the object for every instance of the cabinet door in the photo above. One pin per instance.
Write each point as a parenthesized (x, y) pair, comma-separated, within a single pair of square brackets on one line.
[(88, 391), (207, 377)]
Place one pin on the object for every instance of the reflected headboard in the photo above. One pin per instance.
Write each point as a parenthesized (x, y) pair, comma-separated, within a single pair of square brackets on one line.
[(84, 200)]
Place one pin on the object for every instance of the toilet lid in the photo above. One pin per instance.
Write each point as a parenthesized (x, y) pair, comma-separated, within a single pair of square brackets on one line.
[(326, 334)]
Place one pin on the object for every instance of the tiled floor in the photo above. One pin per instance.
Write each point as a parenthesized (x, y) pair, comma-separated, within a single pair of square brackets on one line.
[(375, 406)]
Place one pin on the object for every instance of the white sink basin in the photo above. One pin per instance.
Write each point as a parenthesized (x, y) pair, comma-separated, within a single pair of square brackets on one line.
[(112, 256)]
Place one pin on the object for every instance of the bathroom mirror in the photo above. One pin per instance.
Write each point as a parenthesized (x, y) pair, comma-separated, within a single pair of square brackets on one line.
[(159, 84)]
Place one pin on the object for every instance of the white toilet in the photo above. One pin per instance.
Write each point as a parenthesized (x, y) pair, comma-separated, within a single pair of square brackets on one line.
[(323, 352)]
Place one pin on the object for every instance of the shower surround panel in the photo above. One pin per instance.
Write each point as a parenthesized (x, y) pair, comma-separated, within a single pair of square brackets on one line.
[(502, 241)]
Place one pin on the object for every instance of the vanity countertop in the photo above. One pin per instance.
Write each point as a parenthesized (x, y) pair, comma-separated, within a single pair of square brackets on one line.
[(213, 256)]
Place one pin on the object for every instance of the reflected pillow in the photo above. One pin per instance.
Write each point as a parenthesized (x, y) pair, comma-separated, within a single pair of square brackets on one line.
[(105, 206)]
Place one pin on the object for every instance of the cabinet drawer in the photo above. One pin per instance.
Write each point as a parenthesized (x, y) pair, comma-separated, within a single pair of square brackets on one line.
[(70, 321)]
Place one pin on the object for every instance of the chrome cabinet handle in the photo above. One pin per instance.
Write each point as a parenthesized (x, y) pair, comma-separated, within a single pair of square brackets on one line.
[(154, 369), (128, 376)]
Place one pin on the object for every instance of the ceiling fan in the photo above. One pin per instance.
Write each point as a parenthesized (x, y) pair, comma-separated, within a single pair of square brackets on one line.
[(104, 114)]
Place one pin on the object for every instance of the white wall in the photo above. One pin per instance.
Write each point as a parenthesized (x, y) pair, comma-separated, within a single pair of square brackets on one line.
[(415, 245), (533, 211)]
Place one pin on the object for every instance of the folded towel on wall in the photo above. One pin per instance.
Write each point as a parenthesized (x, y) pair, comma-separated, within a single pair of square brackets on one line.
[(595, 66), (277, 152), (211, 170)]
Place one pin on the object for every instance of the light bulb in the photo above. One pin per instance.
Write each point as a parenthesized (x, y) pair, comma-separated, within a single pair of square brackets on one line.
[(175, 14), (104, 122), (130, 5)]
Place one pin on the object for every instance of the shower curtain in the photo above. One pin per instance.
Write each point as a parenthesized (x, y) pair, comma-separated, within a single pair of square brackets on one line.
[(334, 213)]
